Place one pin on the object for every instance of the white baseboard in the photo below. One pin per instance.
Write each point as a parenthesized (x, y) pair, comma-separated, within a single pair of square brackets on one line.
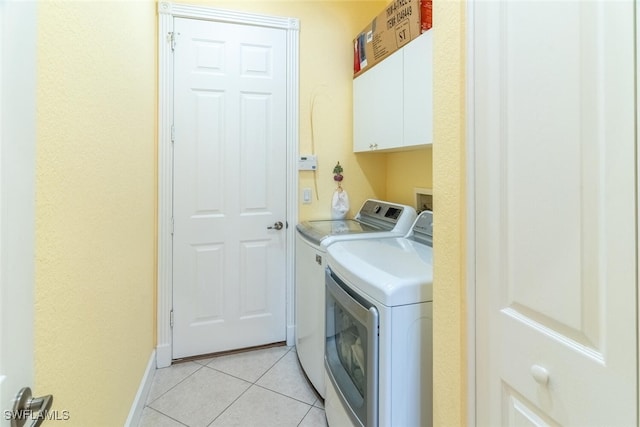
[(143, 391), (291, 335), (163, 356)]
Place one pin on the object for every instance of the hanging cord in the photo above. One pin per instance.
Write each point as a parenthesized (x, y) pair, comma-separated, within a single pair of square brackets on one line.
[(312, 103)]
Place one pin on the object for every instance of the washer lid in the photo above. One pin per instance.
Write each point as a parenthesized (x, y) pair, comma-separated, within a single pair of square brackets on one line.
[(395, 271), (375, 216), (318, 230)]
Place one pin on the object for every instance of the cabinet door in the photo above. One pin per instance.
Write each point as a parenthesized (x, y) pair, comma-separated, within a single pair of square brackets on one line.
[(377, 106), (418, 91)]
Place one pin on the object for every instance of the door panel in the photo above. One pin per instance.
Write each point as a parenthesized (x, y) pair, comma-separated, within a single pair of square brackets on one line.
[(210, 177), (229, 186), (556, 226), (520, 412), (255, 113)]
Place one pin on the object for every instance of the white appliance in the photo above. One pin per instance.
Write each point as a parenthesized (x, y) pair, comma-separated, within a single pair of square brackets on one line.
[(378, 352), (375, 219)]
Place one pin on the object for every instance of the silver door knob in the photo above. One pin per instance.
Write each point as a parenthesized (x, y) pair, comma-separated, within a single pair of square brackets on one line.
[(27, 408), (278, 226)]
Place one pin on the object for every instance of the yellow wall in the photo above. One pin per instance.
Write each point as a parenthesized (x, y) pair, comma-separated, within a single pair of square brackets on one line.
[(326, 83), (407, 170), (95, 205), (449, 293)]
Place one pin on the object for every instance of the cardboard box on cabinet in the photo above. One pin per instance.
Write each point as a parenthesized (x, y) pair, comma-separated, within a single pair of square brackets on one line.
[(399, 23)]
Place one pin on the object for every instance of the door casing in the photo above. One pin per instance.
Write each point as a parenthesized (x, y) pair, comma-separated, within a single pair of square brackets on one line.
[(166, 13), (18, 75)]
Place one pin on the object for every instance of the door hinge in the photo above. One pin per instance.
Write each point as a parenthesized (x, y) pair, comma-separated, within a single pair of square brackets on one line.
[(173, 134), (172, 226), (171, 318), (171, 37)]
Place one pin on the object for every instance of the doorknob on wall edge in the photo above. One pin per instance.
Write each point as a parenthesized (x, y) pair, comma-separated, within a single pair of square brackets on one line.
[(278, 226), (27, 407)]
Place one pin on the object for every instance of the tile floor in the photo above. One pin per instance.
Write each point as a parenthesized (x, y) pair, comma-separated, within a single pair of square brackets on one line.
[(264, 387)]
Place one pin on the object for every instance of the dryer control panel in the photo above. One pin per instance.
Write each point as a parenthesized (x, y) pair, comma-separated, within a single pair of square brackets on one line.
[(385, 215)]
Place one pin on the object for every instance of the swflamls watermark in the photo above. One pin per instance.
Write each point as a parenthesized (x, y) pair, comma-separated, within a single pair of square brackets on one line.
[(45, 415)]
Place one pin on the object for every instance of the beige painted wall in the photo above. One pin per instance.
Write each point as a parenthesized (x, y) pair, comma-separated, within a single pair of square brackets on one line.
[(449, 293), (407, 170), (95, 205)]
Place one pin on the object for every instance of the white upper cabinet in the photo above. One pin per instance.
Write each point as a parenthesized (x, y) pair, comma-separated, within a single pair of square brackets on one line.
[(377, 105), (418, 91), (393, 102)]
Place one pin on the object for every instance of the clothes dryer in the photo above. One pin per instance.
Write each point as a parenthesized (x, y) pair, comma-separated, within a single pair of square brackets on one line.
[(375, 219), (378, 351)]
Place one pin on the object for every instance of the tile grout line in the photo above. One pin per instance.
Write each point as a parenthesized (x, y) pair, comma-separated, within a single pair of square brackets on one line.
[(230, 404), (174, 386), (250, 384), (284, 395), (165, 415), (247, 389), (305, 416), (274, 364), (255, 383), (244, 379)]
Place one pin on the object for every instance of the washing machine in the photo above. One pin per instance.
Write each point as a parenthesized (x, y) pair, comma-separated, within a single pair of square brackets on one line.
[(375, 219), (378, 350)]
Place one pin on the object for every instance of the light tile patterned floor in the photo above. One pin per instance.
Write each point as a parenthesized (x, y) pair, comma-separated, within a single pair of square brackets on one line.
[(255, 388)]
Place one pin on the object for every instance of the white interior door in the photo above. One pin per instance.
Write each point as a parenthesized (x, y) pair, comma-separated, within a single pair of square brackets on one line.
[(17, 173), (229, 288), (555, 213)]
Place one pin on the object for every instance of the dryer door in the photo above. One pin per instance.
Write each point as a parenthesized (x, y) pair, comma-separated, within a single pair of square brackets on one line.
[(351, 350)]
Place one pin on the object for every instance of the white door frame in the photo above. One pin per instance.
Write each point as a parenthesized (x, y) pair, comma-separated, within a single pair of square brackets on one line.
[(637, 103), (18, 75), (470, 186), (166, 13)]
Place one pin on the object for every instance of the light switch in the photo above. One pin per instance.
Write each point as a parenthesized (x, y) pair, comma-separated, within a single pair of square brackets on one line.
[(306, 196)]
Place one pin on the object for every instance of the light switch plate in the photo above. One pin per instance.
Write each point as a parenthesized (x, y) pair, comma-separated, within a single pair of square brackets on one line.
[(306, 196)]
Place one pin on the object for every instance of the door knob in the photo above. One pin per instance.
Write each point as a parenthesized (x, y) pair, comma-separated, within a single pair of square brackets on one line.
[(278, 226), (27, 407), (540, 374)]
